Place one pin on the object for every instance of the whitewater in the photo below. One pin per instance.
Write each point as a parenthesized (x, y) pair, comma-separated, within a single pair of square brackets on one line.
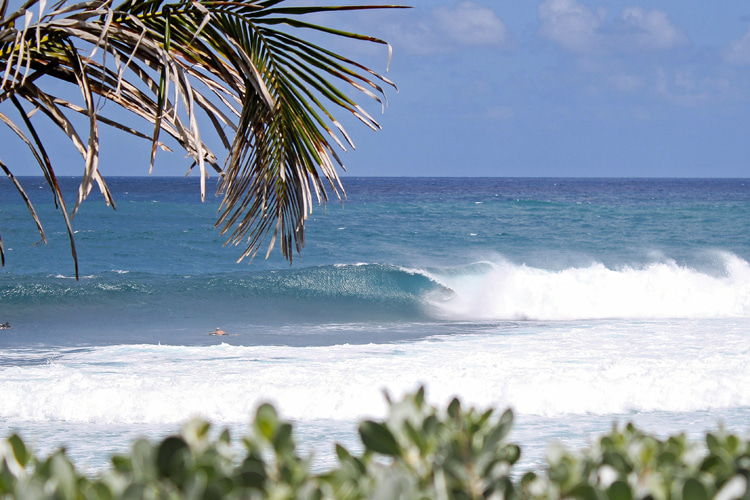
[(577, 302)]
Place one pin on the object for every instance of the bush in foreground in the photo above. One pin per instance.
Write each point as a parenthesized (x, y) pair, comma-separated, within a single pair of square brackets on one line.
[(417, 452)]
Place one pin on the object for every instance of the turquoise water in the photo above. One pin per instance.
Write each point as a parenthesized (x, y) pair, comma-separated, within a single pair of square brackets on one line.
[(577, 302)]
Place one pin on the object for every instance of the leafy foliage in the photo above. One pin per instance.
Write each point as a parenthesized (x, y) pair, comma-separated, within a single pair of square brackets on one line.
[(240, 66), (628, 464), (417, 452)]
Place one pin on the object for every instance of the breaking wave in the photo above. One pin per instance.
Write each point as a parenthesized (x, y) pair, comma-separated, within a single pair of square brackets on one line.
[(507, 291)]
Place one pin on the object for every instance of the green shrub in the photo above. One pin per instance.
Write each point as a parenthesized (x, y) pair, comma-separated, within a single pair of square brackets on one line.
[(417, 452)]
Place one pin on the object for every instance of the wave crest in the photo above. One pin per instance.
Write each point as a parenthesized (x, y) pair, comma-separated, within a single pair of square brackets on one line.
[(507, 291)]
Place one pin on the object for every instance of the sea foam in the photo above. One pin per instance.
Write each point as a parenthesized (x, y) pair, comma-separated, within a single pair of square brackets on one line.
[(600, 367), (507, 291)]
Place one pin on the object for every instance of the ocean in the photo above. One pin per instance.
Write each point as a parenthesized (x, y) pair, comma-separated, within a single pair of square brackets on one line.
[(579, 303)]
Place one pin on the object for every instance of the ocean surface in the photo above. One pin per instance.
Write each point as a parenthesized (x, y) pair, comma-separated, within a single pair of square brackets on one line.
[(579, 303)]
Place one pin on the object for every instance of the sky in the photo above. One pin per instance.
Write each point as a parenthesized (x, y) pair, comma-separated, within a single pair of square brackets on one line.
[(564, 88), (582, 88)]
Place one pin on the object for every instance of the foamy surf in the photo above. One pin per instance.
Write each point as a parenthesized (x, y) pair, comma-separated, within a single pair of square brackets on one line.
[(601, 367), (507, 291)]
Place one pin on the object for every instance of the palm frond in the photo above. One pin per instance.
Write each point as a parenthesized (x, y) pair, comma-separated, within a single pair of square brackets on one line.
[(265, 89)]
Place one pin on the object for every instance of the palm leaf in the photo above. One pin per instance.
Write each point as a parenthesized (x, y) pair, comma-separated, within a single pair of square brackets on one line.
[(269, 94)]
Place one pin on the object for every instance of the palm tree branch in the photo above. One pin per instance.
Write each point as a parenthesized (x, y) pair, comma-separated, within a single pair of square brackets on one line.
[(91, 168), (329, 57), (268, 86), (26, 200), (52, 182), (331, 92)]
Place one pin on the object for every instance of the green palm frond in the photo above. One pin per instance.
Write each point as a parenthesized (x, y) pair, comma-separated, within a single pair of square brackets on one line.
[(270, 95)]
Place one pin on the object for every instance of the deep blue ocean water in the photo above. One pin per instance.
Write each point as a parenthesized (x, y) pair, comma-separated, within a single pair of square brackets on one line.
[(577, 302)]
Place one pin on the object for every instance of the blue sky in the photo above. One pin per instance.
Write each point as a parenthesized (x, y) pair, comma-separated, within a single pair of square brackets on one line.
[(564, 88), (634, 88)]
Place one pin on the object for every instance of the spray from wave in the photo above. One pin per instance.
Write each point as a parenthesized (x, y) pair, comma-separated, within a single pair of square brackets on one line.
[(507, 291)]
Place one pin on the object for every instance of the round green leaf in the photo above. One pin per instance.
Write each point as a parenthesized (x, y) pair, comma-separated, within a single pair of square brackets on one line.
[(694, 490), (584, 492), (170, 458), (282, 441), (266, 421), (619, 490), (454, 409), (19, 450), (376, 437)]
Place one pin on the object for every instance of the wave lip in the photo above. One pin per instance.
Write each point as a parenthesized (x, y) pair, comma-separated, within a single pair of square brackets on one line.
[(361, 281), (507, 291)]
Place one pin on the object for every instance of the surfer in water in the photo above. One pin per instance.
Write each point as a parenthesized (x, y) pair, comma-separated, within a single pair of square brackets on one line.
[(218, 331), (5, 326)]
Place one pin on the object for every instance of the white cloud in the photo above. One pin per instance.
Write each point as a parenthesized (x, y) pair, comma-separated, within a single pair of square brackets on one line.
[(468, 24), (738, 50), (577, 28), (416, 38), (626, 83), (472, 24), (649, 29), (683, 88), (569, 23)]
